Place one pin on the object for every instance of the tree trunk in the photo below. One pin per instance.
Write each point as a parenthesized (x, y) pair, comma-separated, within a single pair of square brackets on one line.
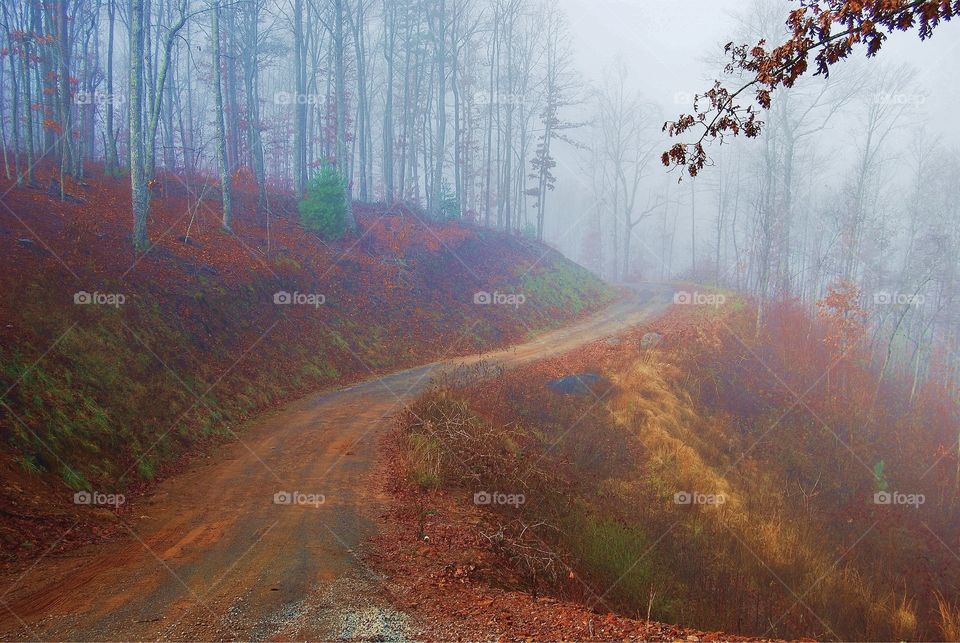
[(441, 73), (254, 141), (299, 101), (390, 36), (225, 186), (140, 196), (341, 106), (112, 164)]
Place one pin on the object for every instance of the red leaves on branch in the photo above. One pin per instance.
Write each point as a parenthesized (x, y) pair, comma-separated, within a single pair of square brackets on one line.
[(826, 30)]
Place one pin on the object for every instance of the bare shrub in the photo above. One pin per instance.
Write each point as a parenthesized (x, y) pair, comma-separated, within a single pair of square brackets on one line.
[(448, 441), (520, 542)]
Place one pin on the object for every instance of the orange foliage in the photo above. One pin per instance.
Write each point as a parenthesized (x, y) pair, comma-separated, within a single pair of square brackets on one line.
[(845, 319), (52, 125), (821, 34)]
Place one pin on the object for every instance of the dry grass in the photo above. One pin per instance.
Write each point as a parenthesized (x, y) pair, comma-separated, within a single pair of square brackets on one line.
[(758, 530), (447, 443), (775, 559), (663, 420), (949, 619)]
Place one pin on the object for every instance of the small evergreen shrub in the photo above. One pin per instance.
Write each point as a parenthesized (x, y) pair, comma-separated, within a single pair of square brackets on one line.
[(449, 204), (323, 209)]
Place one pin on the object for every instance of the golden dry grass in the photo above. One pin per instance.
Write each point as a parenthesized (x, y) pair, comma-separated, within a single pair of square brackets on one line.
[(759, 528), (767, 561), (949, 619)]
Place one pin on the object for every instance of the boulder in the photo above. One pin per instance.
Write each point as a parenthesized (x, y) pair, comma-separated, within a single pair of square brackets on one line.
[(578, 384)]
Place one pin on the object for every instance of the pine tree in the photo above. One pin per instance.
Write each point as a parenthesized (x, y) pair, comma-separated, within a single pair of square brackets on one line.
[(323, 209)]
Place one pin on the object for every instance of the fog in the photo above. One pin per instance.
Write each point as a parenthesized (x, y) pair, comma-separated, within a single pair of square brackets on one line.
[(479, 319), (675, 50), (538, 118)]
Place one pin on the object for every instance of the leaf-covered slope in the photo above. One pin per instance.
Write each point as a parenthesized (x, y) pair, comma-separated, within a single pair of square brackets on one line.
[(179, 345)]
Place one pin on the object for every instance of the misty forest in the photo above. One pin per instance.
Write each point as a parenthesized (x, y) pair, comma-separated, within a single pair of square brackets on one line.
[(479, 319)]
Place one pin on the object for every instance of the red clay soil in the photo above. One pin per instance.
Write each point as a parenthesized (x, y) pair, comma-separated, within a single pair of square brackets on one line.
[(441, 570), (457, 589)]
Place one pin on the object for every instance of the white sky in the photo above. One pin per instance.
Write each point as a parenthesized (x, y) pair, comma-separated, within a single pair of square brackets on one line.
[(666, 42), (667, 45)]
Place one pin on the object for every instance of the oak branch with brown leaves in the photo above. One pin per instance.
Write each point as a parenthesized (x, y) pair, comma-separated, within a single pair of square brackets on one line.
[(826, 31)]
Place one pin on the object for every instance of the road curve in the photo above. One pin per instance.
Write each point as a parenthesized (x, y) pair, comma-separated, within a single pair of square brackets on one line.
[(211, 556)]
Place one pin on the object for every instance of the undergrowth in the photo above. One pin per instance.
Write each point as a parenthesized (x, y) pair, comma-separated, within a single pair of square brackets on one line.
[(107, 397), (784, 539)]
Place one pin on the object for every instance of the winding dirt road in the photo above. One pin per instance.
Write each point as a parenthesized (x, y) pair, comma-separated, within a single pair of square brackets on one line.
[(211, 555)]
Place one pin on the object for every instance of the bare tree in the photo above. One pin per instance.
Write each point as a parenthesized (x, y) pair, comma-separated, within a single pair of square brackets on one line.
[(624, 147), (226, 188)]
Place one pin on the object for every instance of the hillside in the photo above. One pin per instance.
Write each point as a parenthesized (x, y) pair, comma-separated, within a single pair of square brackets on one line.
[(671, 472), (116, 368)]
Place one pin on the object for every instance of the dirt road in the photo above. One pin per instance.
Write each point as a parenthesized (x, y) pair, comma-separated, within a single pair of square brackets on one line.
[(212, 555)]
